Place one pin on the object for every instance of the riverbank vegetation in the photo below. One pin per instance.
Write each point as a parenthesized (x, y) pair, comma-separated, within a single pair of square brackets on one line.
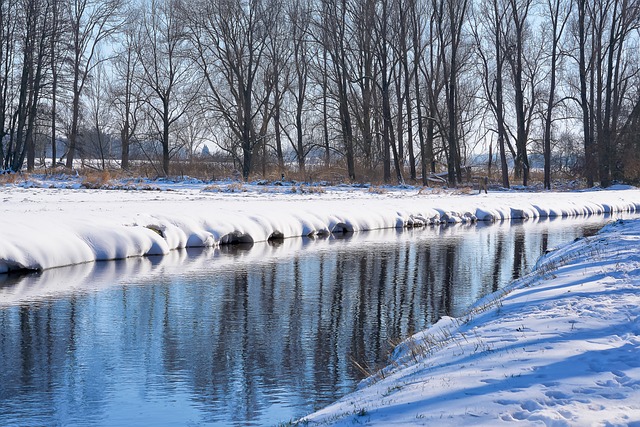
[(375, 90)]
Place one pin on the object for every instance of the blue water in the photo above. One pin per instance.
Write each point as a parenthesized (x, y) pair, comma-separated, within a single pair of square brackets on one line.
[(241, 336)]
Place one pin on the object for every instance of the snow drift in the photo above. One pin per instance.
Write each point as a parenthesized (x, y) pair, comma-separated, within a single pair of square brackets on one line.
[(42, 228)]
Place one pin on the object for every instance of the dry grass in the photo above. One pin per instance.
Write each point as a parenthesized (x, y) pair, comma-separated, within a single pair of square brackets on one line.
[(375, 189), (236, 187), (209, 170), (464, 191), (425, 191), (12, 178), (97, 179), (330, 175), (212, 188)]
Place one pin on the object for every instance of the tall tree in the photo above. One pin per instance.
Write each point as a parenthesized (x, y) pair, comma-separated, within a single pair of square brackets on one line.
[(230, 38), (126, 92), (559, 12), (452, 16), (35, 42), (516, 50), (416, 24), (364, 67), (624, 19), (8, 22), (299, 15), (585, 64), (57, 54), (404, 22), (334, 26), (167, 71), (100, 118), (603, 35), (277, 77), (386, 63), (489, 27), (91, 22)]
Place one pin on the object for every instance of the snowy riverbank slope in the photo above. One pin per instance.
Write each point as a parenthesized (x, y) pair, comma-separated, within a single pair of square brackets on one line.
[(52, 224), (561, 348)]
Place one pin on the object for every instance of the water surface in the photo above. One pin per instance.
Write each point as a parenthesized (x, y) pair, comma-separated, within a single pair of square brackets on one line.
[(245, 335)]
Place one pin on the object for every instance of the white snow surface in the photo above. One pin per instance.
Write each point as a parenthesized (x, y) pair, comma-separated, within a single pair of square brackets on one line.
[(559, 347), (46, 224)]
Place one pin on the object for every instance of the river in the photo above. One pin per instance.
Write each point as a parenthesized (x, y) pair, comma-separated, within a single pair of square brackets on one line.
[(242, 335)]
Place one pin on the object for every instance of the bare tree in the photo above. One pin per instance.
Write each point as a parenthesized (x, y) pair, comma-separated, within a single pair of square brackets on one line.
[(91, 22), (276, 78), (299, 15), (416, 24), (515, 51), (559, 13), (100, 117), (364, 80), (35, 40), (585, 63), (488, 32), (58, 50), (603, 33), (624, 20), (386, 59), (405, 29), (230, 39), (451, 18), (8, 22), (125, 87), (432, 71), (334, 25), (167, 71)]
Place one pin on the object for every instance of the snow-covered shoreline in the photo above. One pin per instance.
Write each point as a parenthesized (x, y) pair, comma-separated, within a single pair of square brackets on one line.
[(560, 346), (42, 228)]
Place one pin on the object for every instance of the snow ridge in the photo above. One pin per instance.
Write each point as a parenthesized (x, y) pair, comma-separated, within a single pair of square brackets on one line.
[(43, 228)]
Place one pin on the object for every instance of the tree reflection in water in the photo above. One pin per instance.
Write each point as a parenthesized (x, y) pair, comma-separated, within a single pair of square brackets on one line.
[(241, 335)]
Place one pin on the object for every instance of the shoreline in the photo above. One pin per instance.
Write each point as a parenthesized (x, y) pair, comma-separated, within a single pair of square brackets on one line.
[(42, 228), (558, 346)]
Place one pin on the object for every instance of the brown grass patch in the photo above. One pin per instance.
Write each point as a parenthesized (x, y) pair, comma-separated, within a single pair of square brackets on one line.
[(375, 189), (12, 178), (96, 179)]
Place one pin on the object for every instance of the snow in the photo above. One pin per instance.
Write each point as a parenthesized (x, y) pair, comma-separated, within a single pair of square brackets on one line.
[(46, 223), (559, 347)]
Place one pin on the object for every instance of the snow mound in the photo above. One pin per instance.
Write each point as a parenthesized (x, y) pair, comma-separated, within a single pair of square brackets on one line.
[(42, 228)]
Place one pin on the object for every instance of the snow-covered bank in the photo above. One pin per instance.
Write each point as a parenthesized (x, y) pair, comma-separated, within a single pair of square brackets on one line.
[(41, 228), (561, 347)]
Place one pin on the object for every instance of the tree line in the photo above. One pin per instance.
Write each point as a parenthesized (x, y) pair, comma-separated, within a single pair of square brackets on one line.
[(405, 88)]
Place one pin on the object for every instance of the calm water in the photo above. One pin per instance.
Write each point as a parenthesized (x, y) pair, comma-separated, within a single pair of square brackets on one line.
[(242, 336)]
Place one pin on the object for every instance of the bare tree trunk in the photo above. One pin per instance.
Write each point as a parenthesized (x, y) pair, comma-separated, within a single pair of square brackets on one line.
[(584, 102), (54, 81), (519, 13), (404, 22), (557, 29), (337, 42), (417, 53), (325, 111), (91, 22), (455, 18), (277, 128)]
